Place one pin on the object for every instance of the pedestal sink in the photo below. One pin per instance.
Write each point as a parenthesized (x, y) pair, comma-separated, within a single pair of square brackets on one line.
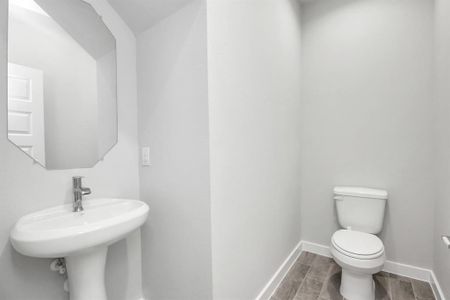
[(82, 238)]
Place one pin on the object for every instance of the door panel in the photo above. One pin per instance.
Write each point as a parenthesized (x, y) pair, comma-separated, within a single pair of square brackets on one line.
[(26, 110)]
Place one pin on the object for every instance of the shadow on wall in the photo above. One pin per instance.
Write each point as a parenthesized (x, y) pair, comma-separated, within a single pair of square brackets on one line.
[(385, 235), (331, 7), (33, 273)]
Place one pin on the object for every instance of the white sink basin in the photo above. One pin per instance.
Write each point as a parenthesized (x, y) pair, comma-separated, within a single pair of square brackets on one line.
[(82, 238), (59, 232)]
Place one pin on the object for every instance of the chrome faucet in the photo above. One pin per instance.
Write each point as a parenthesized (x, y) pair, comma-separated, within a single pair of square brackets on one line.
[(78, 192)]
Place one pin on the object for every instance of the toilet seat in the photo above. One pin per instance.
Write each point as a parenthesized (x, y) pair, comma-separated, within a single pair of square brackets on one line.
[(357, 244)]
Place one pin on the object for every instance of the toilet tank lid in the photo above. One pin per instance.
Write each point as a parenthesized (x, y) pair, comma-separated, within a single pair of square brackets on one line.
[(360, 192)]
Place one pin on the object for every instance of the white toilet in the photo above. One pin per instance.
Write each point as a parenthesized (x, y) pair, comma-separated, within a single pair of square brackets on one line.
[(356, 248)]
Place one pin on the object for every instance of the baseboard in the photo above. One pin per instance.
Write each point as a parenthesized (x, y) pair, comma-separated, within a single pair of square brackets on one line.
[(438, 293), (315, 248), (407, 270), (276, 279), (390, 266)]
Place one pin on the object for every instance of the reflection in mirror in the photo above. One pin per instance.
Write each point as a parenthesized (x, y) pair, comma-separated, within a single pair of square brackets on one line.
[(62, 100)]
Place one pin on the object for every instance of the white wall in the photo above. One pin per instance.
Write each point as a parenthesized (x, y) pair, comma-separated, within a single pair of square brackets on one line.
[(173, 118), (367, 116), (442, 64), (254, 107), (25, 187)]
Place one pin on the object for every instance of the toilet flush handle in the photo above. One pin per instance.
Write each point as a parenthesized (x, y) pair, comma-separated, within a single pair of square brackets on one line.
[(446, 240)]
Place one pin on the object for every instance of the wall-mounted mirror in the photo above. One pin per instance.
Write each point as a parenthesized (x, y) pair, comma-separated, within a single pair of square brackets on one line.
[(62, 83)]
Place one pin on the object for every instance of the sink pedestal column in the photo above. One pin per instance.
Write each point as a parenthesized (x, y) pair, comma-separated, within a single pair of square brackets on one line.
[(86, 272)]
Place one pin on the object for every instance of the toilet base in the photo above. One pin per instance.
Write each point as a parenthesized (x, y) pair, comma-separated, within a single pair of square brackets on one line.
[(357, 286)]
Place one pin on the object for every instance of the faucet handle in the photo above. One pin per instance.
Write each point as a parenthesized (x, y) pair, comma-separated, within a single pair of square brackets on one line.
[(86, 191)]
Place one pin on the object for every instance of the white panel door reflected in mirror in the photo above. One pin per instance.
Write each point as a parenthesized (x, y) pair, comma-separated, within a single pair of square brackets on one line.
[(62, 83)]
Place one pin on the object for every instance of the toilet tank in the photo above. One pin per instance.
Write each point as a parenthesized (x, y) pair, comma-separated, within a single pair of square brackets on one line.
[(360, 208)]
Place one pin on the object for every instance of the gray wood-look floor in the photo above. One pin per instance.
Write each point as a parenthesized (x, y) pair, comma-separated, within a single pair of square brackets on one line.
[(318, 277)]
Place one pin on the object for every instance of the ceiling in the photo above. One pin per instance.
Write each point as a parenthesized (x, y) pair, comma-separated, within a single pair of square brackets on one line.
[(142, 14)]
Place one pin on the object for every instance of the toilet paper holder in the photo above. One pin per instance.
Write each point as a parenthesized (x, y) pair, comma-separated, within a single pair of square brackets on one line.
[(446, 240)]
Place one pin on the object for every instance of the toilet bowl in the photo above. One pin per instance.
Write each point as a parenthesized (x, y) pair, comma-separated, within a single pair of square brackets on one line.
[(360, 255)]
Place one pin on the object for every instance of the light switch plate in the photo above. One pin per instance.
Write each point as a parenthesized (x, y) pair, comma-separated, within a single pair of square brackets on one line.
[(146, 156)]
